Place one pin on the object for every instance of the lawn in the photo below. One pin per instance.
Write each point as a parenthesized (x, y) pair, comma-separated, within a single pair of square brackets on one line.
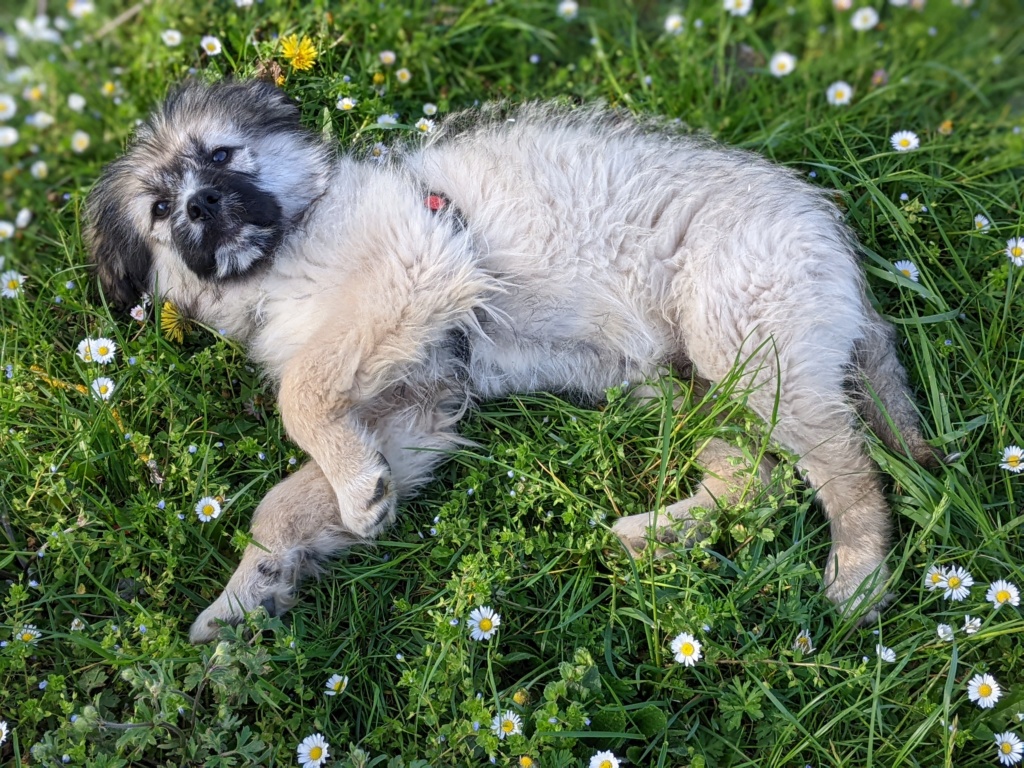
[(104, 562)]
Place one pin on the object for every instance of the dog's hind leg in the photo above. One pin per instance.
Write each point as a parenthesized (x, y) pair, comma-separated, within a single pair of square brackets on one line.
[(728, 479)]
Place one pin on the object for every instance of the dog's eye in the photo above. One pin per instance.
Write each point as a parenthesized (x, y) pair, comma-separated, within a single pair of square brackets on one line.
[(160, 209), (220, 155)]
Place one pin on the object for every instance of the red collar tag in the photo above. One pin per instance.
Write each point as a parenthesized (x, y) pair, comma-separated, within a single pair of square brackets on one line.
[(436, 202)]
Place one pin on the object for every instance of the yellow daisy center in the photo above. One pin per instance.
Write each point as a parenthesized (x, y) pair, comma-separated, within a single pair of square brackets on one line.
[(906, 272), (904, 142), (26, 637), (108, 87), (1006, 747), (984, 690), (1002, 596), (12, 285), (954, 581), (486, 625), (35, 94), (508, 726), (687, 649), (210, 48), (936, 578), (315, 753), (103, 389), (606, 764), (1017, 251), (103, 350), (1013, 460), (339, 685), (840, 94)]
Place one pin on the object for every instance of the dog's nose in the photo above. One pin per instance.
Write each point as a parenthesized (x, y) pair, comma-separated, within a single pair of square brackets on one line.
[(204, 204)]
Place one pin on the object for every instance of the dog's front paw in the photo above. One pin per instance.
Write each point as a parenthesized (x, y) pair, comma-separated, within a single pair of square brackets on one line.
[(259, 582), (856, 584)]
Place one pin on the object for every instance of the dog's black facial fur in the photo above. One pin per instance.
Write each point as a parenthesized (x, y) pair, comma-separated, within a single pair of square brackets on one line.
[(221, 225)]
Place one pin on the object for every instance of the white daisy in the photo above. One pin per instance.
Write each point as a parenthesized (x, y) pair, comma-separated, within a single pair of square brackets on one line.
[(387, 119), (423, 125), (313, 751), (211, 45), (8, 136), (885, 654), (79, 142), (864, 19), (971, 625), (387, 58), (1015, 251), (138, 313), (347, 103), (945, 633), (686, 649), (738, 7), (782, 63), (3, 731), (403, 75), (23, 219), (839, 93), (483, 623), (33, 92), (568, 9), (604, 760), (171, 37), (429, 109), (908, 270), (103, 388), (6, 230), (8, 106), (981, 223), (1008, 746), (933, 577), (674, 23), (207, 509), (1002, 593), (1013, 459), (957, 584), (379, 151), (508, 723), (10, 283), (103, 350), (77, 625), (39, 169), (984, 690), (336, 684), (904, 141), (803, 642), (81, 8), (85, 350), (28, 634)]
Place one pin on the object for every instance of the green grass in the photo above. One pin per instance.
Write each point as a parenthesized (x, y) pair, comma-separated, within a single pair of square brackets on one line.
[(585, 631)]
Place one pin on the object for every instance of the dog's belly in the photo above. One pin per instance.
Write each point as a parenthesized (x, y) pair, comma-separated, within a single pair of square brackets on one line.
[(562, 348)]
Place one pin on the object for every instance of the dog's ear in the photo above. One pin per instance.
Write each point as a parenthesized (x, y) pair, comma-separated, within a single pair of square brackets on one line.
[(120, 254)]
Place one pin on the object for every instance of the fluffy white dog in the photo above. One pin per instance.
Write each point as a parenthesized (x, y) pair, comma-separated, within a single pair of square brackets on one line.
[(543, 249)]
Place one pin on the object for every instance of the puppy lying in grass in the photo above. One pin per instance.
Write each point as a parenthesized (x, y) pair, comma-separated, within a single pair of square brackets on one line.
[(545, 249)]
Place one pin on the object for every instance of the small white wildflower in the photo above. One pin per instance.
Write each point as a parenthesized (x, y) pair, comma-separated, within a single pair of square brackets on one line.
[(885, 654), (864, 19), (171, 37), (839, 93), (674, 23), (945, 633), (782, 63), (568, 9)]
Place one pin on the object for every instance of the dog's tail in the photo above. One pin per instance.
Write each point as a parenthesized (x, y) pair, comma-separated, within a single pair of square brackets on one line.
[(882, 397)]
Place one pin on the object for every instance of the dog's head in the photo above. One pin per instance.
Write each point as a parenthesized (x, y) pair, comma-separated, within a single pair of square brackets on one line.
[(209, 187)]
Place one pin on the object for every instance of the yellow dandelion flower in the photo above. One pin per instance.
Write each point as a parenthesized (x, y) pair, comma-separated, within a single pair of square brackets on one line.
[(378, 78), (301, 54), (521, 697), (173, 323)]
